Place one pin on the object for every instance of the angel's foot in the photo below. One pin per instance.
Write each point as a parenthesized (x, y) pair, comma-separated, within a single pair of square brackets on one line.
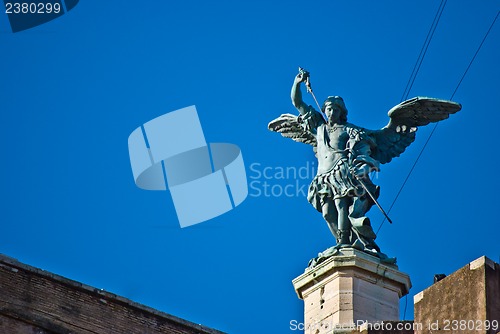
[(329, 252)]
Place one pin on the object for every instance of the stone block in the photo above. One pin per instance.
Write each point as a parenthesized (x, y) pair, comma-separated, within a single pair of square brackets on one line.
[(467, 301)]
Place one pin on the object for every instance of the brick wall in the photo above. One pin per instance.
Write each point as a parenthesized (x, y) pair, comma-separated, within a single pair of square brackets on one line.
[(35, 301)]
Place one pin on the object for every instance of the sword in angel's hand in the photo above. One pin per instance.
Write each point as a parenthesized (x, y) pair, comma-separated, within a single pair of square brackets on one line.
[(305, 74)]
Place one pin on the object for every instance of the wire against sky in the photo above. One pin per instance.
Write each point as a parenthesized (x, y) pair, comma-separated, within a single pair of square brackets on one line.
[(435, 126), (410, 82), (423, 51), (475, 54)]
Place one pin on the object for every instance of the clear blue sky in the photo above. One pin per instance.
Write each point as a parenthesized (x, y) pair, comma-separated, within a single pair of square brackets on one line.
[(72, 91)]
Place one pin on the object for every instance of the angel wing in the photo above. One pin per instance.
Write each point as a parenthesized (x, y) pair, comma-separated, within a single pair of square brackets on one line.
[(395, 137), (288, 126)]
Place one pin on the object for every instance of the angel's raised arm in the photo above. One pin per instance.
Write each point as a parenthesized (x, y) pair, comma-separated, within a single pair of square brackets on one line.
[(296, 94)]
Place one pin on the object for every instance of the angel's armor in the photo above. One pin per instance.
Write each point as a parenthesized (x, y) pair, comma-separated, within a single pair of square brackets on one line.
[(341, 148)]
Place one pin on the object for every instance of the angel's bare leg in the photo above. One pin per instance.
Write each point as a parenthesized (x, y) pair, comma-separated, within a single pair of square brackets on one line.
[(331, 216), (342, 205)]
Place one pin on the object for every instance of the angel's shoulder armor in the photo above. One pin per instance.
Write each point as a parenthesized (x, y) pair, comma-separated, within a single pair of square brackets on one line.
[(311, 120)]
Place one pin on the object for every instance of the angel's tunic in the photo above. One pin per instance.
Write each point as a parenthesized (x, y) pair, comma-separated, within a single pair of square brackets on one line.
[(340, 149)]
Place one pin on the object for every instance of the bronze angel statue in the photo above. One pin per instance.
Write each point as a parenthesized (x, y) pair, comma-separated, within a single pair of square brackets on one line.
[(342, 189)]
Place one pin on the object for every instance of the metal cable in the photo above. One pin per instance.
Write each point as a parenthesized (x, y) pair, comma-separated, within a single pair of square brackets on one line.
[(435, 126)]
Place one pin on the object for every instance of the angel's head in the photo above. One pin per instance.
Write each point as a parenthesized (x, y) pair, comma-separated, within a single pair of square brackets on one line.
[(334, 109)]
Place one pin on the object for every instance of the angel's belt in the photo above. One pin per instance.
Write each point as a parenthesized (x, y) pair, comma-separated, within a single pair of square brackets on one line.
[(335, 166)]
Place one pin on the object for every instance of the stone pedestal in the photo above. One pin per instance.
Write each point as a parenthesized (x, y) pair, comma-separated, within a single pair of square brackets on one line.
[(348, 289)]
